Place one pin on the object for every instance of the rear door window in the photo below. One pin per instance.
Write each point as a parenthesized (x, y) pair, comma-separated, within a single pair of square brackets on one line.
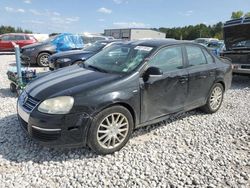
[(19, 37), (195, 56)]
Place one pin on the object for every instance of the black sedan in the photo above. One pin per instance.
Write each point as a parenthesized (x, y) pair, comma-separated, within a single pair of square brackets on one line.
[(64, 59), (100, 102)]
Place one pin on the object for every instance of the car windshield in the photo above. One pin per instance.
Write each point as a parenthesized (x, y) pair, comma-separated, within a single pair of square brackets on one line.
[(119, 58), (95, 47)]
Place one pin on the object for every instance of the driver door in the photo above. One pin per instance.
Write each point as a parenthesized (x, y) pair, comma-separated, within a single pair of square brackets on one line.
[(167, 93)]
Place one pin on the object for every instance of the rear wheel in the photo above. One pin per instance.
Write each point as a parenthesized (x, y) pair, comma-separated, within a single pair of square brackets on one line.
[(110, 130), (215, 99), (43, 59)]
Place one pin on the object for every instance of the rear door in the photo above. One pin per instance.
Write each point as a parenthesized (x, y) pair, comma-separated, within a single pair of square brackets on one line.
[(167, 94), (20, 40), (201, 70)]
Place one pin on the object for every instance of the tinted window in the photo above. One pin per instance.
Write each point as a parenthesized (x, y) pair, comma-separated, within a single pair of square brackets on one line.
[(168, 59), (12, 37), (5, 38), (19, 37), (195, 56), (209, 58)]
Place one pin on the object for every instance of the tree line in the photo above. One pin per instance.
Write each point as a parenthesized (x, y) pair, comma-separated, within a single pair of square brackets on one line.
[(192, 32), (10, 29)]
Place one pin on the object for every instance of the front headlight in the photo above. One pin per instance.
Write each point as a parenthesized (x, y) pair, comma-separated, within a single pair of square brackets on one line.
[(64, 60), (57, 105), (29, 49)]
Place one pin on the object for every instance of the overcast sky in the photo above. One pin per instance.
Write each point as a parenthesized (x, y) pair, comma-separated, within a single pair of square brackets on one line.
[(77, 16)]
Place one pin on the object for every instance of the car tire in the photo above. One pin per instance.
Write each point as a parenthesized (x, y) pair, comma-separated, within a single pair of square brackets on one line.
[(214, 99), (42, 59), (110, 130), (13, 88)]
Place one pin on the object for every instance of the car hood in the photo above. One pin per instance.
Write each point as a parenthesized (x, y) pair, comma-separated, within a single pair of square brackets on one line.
[(68, 81), (236, 33), (70, 53)]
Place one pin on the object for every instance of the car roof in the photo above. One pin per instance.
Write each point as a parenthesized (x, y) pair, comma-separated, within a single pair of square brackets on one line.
[(239, 21), (14, 34), (109, 41), (159, 42)]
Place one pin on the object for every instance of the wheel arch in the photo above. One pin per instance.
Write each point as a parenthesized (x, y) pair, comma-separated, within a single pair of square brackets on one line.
[(125, 105), (44, 51), (220, 81)]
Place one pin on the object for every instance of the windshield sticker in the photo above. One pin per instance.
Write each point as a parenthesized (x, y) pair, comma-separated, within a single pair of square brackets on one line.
[(143, 48)]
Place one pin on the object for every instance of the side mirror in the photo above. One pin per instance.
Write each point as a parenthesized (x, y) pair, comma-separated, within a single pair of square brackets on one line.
[(83, 59), (152, 72)]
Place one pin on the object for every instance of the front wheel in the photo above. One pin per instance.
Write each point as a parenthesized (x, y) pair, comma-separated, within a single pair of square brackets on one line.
[(43, 59), (110, 130), (13, 88), (215, 99)]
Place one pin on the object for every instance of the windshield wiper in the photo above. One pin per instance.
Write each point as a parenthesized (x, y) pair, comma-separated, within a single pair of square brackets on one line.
[(97, 68)]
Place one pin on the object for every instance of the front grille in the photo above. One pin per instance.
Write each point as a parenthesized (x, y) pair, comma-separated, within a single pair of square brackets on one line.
[(45, 137), (28, 102), (245, 66)]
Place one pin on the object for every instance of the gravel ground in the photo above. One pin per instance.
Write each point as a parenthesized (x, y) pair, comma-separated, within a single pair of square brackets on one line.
[(188, 150)]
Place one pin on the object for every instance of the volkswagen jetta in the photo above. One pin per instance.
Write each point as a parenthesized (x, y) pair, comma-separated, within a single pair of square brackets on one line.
[(100, 102)]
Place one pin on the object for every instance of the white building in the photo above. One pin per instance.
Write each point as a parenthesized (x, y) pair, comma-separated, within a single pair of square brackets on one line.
[(134, 33)]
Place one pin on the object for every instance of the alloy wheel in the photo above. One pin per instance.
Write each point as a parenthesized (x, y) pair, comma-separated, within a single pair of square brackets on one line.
[(216, 98), (113, 130), (44, 60)]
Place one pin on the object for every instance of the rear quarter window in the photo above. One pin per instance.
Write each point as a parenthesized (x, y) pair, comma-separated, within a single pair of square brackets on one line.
[(209, 57)]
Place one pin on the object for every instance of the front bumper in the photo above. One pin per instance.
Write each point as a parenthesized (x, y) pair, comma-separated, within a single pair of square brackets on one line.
[(241, 68), (54, 130), (28, 59)]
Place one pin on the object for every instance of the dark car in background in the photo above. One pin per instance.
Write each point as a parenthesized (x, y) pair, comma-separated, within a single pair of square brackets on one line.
[(20, 39), (64, 59), (237, 43), (125, 86), (39, 53)]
